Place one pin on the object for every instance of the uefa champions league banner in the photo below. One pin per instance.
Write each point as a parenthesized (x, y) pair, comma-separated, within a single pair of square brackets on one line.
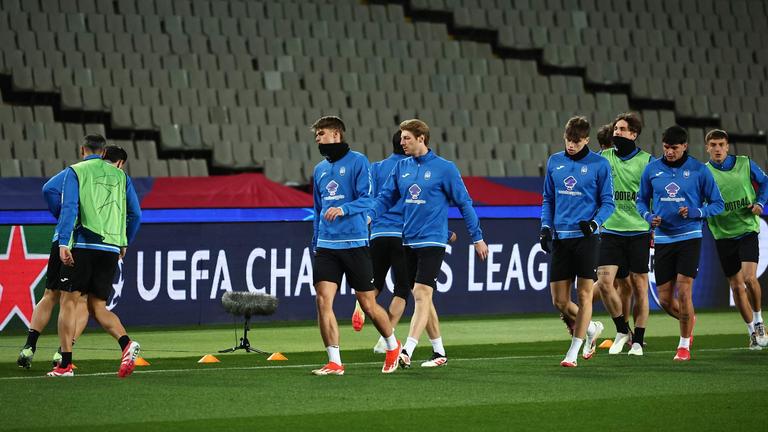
[(176, 273)]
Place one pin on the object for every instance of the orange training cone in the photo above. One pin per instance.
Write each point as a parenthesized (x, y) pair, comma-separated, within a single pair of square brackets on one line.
[(606, 344), (141, 362), (208, 358), (277, 357)]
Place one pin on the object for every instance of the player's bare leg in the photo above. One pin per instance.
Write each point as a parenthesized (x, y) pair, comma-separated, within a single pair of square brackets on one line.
[(639, 284)]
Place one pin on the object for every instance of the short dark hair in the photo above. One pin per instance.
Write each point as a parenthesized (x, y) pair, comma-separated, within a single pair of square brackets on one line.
[(577, 128), (674, 135), (604, 135), (417, 128), (633, 119), (330, 122), (396, 138), (95, 143), (114, 154), (716, 134)]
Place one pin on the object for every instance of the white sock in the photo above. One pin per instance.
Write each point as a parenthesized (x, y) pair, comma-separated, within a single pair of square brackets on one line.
[(437, 346), (684, 343), (410, 345), (334, 354), (391, 342), (591, 329), (757, 317), (750, 328), (573, 351)]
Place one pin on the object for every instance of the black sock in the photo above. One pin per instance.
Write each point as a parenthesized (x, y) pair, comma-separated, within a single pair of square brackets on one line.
[(66, 359), (124, 341), (621, 325), (639, 334), (32, 339)]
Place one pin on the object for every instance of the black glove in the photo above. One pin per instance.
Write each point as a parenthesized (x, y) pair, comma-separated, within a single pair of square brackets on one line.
[(588, 227), (545, 237)]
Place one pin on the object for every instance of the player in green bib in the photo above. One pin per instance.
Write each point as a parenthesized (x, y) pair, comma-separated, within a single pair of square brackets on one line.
[(736, 229), (625, 238)]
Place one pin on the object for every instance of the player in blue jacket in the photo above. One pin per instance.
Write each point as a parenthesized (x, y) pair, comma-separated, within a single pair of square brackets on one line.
[(44, 308), (577, 199), (426, 185), (341, 182), (677, 193)]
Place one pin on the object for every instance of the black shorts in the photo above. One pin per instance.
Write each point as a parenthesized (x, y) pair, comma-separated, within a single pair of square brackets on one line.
[(386, 253), (332, 264), (630, 253), (679, 258), (92, 274), (52, 274), (733, 252), (574, 257), (424, 264)]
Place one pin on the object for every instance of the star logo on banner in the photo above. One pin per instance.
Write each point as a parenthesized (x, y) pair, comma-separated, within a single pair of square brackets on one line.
[(20, 272)]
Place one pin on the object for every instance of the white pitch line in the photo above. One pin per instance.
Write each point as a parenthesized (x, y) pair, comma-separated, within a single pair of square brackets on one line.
[(307, 366)]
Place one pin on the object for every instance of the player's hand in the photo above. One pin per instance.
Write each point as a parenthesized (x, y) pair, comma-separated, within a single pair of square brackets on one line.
[(368, 218), (683, 211), (756, 209), (333, 213), (451, 236), (482, 250), (656, 221), (66, 256), (588, 227), (545, 237), (123, 250)]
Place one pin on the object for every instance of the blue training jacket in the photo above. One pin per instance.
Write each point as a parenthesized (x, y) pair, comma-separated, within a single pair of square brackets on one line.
[(575, 191), (691, 185), (343, 184), (426, 186), (390, 224), (70, 209)]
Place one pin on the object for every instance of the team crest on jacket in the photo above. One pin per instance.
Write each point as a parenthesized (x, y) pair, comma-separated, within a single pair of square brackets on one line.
[(414, 190), (686, 174), (584, 170), (342, 171), (427, 175), (570, 182), (672, 189), (332, 187)]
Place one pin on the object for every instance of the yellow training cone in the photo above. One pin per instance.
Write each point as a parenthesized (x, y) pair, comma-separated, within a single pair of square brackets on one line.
[(606, 344), (141, 362), (277, 357), (208, 359)]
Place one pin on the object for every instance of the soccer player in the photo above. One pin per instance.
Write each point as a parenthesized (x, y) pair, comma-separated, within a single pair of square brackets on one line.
[(677, 192), (625, 239), (735, 229), (426, 185), (605, 136), (100, 216), (577, 199), (387, 252), (342, 187)]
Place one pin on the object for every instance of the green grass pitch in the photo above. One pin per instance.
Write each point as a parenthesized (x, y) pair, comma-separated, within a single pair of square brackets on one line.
[(502, 374)]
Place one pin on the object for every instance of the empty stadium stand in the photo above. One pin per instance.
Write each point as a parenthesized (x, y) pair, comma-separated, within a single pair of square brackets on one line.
[(192, 87)]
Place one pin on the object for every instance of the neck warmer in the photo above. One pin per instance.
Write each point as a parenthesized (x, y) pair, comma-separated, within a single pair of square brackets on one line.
[(580, 155), (624, 146), (676, 164), (333, 152)]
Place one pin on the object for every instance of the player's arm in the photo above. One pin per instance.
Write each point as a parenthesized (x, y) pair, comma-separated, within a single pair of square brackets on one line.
[(52, 193), (548, 199), (758, 176), (133, 210), (317, 201), (708, 188), (645, 197), (605, 185), (457, 192), (70, 207)]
